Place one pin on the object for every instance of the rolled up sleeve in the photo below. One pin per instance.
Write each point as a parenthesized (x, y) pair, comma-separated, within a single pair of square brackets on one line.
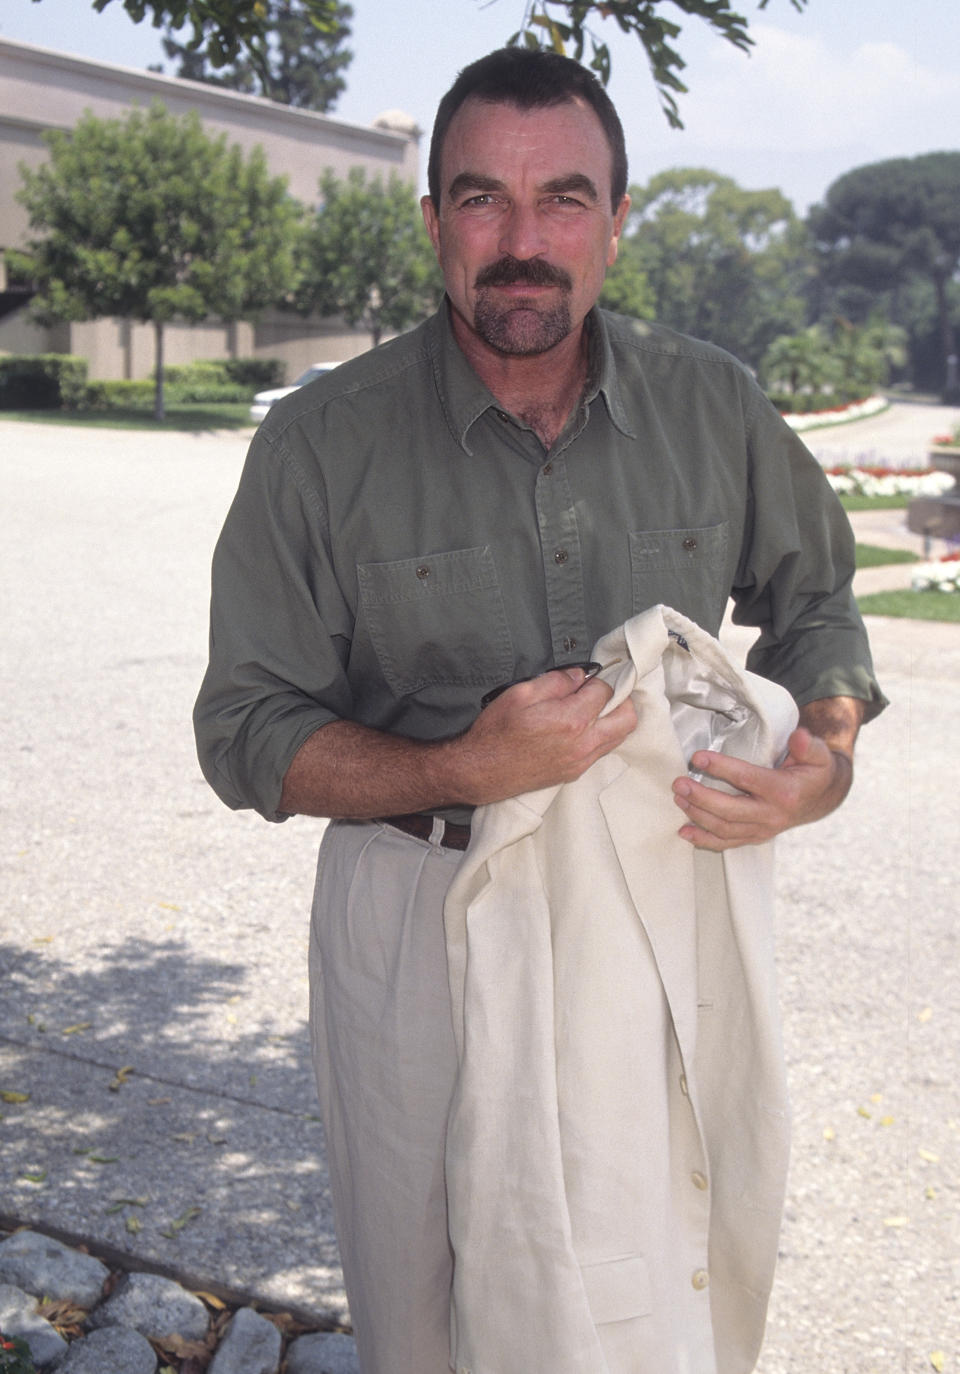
[(279, 634), (795, 576)]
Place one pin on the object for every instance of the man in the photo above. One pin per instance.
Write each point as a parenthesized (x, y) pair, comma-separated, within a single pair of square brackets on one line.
[(471, 506)]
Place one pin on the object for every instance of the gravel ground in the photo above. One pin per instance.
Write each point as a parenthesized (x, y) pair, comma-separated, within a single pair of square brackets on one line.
[(146, 926)]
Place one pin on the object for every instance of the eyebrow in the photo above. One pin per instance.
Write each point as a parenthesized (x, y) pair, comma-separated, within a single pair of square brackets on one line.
[(571, 182)]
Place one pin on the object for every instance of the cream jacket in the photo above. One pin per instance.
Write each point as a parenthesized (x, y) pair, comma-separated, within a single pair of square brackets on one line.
[(617, 1147)]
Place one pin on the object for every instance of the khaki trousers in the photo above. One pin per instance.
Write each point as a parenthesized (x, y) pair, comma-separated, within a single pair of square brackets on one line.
[(385, 1061)]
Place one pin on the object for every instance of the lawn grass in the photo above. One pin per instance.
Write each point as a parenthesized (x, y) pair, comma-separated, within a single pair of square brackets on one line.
[(875, 502), (872, 556), (178, 418), (944, 606)]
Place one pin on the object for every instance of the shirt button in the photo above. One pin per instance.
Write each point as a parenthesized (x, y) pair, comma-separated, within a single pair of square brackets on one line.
[(699, 1180), (689, 543), (569, 645), (700, 1279), (683, 1085), (423, 572), (560, 556)]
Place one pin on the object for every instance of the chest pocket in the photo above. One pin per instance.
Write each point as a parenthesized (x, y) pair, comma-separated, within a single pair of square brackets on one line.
[(683, 569), (437, 619)]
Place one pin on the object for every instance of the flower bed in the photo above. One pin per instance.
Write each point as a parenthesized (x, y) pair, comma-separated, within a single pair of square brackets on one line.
[(943, 575), (839, 415), (848, 481)]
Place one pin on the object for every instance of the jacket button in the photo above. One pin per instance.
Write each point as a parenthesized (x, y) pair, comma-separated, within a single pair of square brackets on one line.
[(689, 543), (700, 1279), (569, 644), (547, 469), (423, 572), (699, 1180)]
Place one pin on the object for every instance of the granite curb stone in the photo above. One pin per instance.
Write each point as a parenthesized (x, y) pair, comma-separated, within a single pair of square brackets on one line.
[(19, 1317), (250, 1345), (154, 1306), (142, 1307)]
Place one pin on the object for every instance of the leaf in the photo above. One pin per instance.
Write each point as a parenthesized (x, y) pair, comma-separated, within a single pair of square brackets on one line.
[(9, 1095), (121, 1078), (134, 1225), (867, 1115), (37, 1176), (929, 1156), (75, 1030), (896, 1223), (829, 1133), (938, 1360), (925, 1015), (103, 1159), (887, 1120), (181, 1221), (210, 1299)]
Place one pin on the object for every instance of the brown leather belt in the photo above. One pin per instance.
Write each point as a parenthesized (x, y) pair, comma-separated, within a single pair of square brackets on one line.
[(453, 836)]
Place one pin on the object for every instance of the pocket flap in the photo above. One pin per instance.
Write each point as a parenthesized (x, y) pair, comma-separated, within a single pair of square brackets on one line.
[(618, 1289)]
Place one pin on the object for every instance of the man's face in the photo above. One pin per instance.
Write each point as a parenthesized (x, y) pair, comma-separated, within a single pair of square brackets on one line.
[(525, 230)]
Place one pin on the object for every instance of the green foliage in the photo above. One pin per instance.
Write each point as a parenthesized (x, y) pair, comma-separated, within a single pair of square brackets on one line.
[(44, 381), (149, 218), (888, 230), (222, 30), (300, 63), (366, 255), (721, 263), (15, 1356), (829, 365), (562, 26)]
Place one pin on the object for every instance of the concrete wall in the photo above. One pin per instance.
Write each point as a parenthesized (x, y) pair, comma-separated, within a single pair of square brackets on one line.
[(41, 89)]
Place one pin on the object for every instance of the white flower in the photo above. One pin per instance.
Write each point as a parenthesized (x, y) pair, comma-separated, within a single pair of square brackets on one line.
[(936, 577)]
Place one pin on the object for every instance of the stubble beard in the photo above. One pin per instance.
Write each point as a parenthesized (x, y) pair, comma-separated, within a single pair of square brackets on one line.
[(521, 330)]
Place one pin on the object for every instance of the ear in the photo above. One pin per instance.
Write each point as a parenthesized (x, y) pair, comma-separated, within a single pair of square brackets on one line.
[(619, 219), (432, 220)]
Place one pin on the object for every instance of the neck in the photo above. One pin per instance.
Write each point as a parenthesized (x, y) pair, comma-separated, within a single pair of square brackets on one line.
[(541, 389)]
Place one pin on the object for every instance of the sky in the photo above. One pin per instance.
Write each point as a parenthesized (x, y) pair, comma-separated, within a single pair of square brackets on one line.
[(841, 84)]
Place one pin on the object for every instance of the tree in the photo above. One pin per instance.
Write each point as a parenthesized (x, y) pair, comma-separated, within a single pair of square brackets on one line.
[(366, 256), (149, 218), (887, 224), (722, 263), (301, 63), (223, 29), (642, 18)]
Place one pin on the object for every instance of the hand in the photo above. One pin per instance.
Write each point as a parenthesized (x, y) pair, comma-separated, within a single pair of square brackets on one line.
[(540, 733), (810, 783)]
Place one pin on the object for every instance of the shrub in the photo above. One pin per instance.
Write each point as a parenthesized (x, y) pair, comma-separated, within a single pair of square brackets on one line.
[(42, 381)]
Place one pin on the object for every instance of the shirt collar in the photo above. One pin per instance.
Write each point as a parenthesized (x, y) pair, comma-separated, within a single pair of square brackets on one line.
[(464, 397)]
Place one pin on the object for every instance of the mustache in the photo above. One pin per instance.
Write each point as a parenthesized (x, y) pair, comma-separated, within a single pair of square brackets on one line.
[(507, 271)]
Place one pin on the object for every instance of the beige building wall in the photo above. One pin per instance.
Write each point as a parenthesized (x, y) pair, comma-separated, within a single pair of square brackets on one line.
[(41, 89)]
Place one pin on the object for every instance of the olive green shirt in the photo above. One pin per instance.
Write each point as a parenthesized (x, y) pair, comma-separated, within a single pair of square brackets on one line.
[(399, 544)]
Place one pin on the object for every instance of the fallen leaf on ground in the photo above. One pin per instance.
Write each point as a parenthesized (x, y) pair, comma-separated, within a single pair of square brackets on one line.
[(896, 1222), (210, 1299), (925, 1015), (938, 1360), (929, 1156), (9, 1095), (74, 1030), (121, 1078), (181, 1221)]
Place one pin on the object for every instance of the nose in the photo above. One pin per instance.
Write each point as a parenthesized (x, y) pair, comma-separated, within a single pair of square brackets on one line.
[(522, 233)]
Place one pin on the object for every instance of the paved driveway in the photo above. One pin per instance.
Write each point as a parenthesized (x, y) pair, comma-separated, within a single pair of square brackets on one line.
[(146, 926)]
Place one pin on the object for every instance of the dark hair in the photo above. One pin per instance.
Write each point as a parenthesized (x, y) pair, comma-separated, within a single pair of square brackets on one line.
[(529, 79)]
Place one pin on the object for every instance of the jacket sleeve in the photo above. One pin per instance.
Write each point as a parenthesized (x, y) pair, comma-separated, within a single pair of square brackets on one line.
[(794, 580), (280, 631)]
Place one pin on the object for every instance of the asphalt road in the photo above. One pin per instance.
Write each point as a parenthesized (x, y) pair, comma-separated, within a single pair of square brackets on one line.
[(146, 929)]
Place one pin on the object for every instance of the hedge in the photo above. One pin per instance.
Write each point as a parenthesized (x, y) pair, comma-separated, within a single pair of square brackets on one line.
[(58, 381), (42, 381)]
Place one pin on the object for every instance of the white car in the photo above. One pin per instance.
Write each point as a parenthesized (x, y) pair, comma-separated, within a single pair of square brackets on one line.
[(265, 399)]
